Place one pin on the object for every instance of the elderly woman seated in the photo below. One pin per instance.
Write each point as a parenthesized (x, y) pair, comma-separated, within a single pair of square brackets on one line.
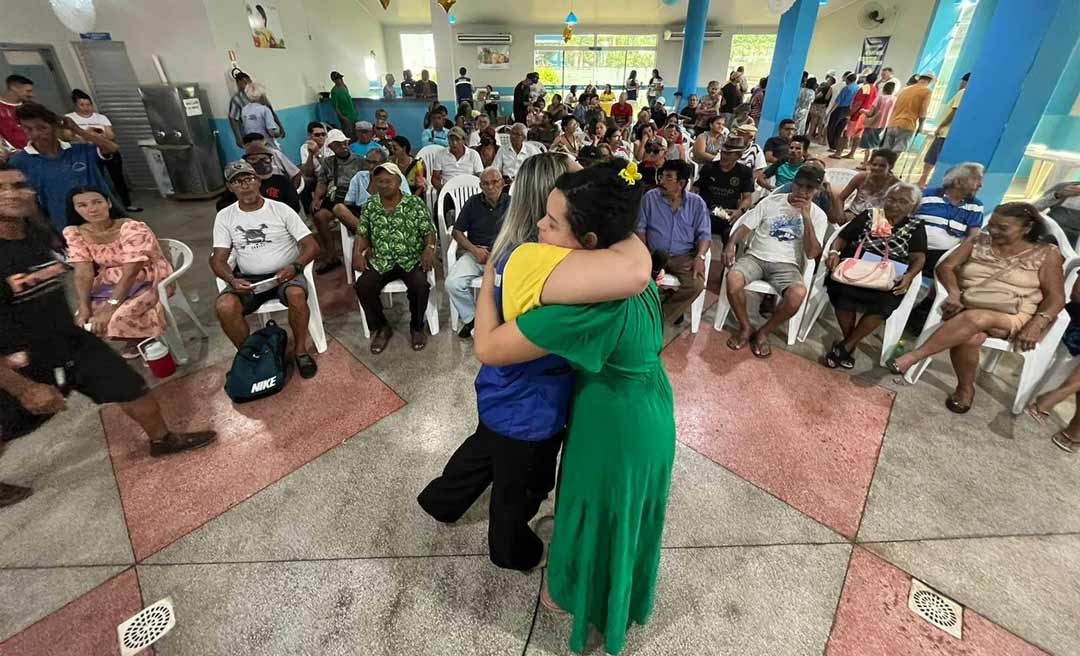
[(118, 265), (880, 232), (1002, 283)]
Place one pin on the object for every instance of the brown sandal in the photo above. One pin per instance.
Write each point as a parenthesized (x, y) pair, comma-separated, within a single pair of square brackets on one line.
[(177, 442), (1066, 443)]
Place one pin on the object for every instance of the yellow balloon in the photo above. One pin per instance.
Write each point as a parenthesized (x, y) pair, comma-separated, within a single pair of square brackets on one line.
[(385, 4), (447, 4)]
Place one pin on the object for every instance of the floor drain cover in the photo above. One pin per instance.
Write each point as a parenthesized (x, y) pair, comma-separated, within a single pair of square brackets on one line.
[(146, 627), (937, 609)]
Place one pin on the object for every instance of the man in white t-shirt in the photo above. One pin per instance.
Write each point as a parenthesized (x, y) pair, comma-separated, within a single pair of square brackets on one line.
[(270, 242), (753, 157), (509, 159), (87, 118), (455, 160), (787, 230)]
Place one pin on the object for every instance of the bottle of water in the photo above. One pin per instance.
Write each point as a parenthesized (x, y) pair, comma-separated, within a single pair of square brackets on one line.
[(900, 349)]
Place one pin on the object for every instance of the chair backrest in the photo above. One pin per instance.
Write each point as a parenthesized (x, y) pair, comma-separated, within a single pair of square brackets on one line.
[(539, 145), (839, 178), (427, 155), (1068, 251), (179, 254), (459, 189)]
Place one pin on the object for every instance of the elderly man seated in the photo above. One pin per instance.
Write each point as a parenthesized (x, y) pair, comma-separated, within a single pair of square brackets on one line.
[(395, 240), (455, 160), (274, 186), (360, 189), (365, 139), (475, 230), (271, 243), (509, 158), (783, 225), (674, 224), (335, 174)]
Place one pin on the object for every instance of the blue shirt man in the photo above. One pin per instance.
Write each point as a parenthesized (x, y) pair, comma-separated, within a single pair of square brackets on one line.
[(847, 95), (674, 224), (75, 165), (947, 221)]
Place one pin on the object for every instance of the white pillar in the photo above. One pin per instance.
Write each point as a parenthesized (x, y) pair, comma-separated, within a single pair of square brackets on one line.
[(443, 35)]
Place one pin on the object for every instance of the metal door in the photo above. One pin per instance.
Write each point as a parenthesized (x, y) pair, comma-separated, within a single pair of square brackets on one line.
[(37, 62), (115, 91)]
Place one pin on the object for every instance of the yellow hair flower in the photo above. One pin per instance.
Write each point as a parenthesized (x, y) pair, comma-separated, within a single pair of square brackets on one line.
[(630, 174)]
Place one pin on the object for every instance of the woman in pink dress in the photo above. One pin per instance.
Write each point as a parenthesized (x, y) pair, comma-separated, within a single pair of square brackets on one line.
[(118, 265)]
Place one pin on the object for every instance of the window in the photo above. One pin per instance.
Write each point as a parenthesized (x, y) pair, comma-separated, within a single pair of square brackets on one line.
[(754, 52), (948, 66), (593, 59), (418, 53)]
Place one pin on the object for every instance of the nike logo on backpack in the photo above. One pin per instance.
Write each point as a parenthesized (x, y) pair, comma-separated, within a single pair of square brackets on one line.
[(264, 385)]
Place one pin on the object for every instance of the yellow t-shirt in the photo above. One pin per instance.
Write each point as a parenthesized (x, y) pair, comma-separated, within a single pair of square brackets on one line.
[(943, 129), (910, 106), (524, 276)]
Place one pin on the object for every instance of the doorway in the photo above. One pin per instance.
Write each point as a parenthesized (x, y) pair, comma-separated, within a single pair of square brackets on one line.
[(38, 62)]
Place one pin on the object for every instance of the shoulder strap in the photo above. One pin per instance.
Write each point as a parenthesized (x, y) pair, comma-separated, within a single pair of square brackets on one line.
[(1000, 272)]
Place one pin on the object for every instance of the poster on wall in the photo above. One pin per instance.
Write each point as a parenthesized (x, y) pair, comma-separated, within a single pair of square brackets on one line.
[(265, 25), (493, 58), (873, 54)]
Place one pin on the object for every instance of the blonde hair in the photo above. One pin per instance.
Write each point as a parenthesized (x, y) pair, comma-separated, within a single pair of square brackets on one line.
[(534, 182)]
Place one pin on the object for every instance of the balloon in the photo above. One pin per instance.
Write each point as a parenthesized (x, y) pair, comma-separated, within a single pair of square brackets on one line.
[(447, 4), (567, 34), (385, 4), (670, 3), (76, 15)]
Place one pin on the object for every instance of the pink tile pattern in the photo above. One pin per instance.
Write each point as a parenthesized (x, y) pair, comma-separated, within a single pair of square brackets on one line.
[(873, 620), (84, 627), (258, 443), (804, 433)]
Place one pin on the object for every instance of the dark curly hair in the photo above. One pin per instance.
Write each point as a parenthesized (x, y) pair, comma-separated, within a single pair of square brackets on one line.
[(601, 202), (1028, 215), (29, 111)]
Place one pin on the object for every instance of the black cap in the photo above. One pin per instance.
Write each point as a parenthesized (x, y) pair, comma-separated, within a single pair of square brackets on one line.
[(810, 176), (335, 75)]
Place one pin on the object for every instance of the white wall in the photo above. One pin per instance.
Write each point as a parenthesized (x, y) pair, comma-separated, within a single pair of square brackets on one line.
[(192, 38), (714, 61), (838, 38)]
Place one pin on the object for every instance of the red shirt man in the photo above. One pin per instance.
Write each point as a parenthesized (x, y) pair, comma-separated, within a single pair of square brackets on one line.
[(622, 112), (18, 90)]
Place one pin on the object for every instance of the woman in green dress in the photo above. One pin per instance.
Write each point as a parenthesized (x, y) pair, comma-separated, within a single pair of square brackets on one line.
[(616, 463)]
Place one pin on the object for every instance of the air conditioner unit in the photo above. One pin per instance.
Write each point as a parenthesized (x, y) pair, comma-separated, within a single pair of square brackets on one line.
[(500, 38), (680, 35)]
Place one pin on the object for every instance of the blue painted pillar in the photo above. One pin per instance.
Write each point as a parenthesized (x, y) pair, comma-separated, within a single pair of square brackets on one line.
[(1027, 47), (938, 36), (788, 63), (973, 44), (697, 14)]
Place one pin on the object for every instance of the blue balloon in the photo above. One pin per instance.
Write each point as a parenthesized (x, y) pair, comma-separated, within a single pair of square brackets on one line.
[(670, 3)]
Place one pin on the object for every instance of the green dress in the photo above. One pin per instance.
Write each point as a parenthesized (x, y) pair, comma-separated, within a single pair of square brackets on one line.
[(616, 463)]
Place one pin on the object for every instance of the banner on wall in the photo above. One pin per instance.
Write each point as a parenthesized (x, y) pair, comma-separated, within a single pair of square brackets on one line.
[(493, 58), (873, 54), (265, 25)]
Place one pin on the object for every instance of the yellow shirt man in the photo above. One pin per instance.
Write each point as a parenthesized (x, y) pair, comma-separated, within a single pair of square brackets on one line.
[(910, 107)]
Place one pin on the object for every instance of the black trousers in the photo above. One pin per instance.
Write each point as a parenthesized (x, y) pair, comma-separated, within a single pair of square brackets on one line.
[(370, 283), (521, 475), (115, 168), (837, 122)]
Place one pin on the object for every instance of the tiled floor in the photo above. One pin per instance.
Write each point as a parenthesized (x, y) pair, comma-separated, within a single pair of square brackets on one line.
[(802, 502)]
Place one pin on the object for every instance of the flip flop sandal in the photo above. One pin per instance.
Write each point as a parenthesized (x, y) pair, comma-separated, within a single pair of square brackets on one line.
[(419, 341), (1066, 443), (832, 358), (548, 602), (762, 351), (890, 364), (177, 442), (954, 405), (306, 365), (735, 344), (379, 342), (1039, 416)]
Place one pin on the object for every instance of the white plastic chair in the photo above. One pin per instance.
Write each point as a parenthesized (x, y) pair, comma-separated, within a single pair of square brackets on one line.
[(460, 189), (1068, 250), (839, 178), (1036, 361), (698, 306), (723, 306), (346, 253), (428, 155), (451, 257), (391, 288), (315, 322), (181, 257), (892, 329)]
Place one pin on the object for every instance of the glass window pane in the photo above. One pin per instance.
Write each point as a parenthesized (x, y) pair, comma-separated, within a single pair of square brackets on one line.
[(418, 53), (648, 40), (547, 40), (755, 52), (582, 40), (642, 61), (549, 64), (610, 68), (580, 67)]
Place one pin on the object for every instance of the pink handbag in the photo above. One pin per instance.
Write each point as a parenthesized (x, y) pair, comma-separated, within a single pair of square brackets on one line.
[(866, 273)]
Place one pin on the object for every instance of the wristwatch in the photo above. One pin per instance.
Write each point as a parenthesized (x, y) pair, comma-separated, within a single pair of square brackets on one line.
[(115, 302)]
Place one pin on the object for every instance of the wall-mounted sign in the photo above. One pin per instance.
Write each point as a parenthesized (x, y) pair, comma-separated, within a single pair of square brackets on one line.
[(95, 36)]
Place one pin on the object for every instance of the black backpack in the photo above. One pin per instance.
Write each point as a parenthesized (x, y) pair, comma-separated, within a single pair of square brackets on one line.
[(258, 370)]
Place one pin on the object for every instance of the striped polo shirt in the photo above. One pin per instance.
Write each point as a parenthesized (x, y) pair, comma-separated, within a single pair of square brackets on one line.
[(947, 224)]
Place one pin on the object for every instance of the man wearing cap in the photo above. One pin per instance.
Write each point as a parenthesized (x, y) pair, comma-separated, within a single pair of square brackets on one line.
[(395, 240), (909, 112), (455, 160), (342, 102), (752, 157), (674, 223), (509, 158), (727, 185), (271, 242), (364, 142), (361, 187), (475, 230), (786, 229), (334, 176), (272, 185)]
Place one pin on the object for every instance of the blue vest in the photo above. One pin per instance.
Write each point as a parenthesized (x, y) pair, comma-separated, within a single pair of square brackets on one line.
[(528, 401)]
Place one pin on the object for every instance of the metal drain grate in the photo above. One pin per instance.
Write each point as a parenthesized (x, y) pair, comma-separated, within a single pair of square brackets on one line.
[(146, 627), (937, 609)]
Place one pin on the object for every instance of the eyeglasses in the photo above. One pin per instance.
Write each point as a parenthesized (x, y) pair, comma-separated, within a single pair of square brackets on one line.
[(244, 180)]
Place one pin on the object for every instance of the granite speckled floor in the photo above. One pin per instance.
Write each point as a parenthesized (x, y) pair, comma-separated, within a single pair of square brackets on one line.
[(802, 502)]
